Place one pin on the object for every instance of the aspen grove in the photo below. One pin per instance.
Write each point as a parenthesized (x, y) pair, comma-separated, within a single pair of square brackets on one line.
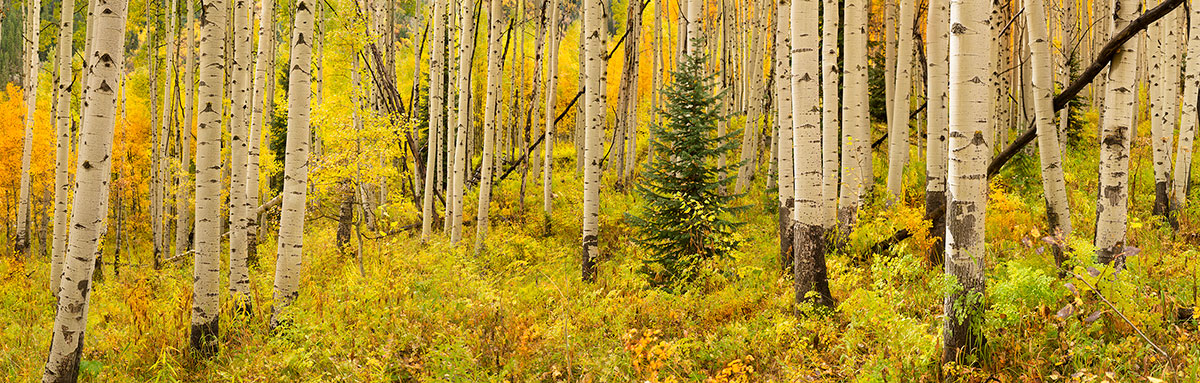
[(584, 190)]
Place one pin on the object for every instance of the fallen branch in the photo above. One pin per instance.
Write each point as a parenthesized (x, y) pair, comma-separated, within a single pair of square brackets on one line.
[(1135, 327)]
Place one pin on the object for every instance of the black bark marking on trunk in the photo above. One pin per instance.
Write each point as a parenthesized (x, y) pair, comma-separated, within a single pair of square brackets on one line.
[(935, 204), (204, 338), (809, 272), (785, 235)]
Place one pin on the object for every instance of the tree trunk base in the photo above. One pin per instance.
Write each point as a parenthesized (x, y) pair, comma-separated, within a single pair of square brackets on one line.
[(204, 338), (935, 203), (809, 272), (786, 242)]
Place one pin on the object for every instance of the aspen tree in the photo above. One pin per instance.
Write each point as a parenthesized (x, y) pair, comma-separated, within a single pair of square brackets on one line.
[(1117, 120), (551, 101), (937, 59), (92, 175), (465, 47), (62, 123), (784, 93), (261, 102), (856, 134), (437, 111), (206, 297), (239, 152), (969, 93), (531, 162), (627, 102), (901, 91), (1053, 182), (809, 271), (1188, 117), (168, 125), (183, 222), (32, 64), (594, 126), (156, 177), (830, 111), (491, 101), (295, 168), (1163, 126)]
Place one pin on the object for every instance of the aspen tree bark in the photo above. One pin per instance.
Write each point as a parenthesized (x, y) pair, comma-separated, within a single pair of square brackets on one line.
[(62, 123), (1058, 212), (183, 224), (1188, 115), (809, 270), (206, 296), (551, 104), (830, 112), (627, 102), (437, 112), (890, 11), (295, 168), (491, 102), (594, 53), (168, 125), (92, 175), (1121, 88), (898, 123), (969, 94), (1163, 127), (937, 133), (531, 162), (262, 102), (466, 47), (32, 64), (783, 114), (856, 133), (239, 153), (156, 177)]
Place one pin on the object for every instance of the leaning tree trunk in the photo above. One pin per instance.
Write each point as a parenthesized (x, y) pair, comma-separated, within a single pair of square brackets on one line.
[(239, 153), (937, 58), (1121, 93), (92, 175), (1058, 212), (437, 111), (32, 29), (551, 103), (783, 114), (898, 123), (206, 296), (183, 223), (593, 129), (1187, 129), (295, 167), (856, 133), (969, 97), (62, 123), (830, 112), (490, 103), (809, 271), (465, 49)]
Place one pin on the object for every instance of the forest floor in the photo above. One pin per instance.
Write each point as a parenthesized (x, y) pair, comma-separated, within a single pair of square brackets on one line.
[(519, 312)]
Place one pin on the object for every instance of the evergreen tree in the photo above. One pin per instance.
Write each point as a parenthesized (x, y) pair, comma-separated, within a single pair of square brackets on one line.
[(686, 220)]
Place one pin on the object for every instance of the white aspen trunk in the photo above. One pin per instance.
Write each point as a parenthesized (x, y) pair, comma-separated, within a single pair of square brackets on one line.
[(183, 222), (937, 132), (261, 103), (206, 296), (239, 153), (92, 175), (168, 125), (1113, 196), (1188, 118), (890, 11), (784, 92), (898, 123), (62, 123), (491, 101), (466, 46), (295, 168), (152, 30), (1163, 127), (830, 112), (969, 94), (628, 103), (998, 107), (32, 64), (809, 271), (856, 133), (1058, 211), (594, 128), (437, 113), (551, 104)]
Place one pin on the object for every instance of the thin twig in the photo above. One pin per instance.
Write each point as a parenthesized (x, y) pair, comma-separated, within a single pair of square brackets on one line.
[(1114, 309)]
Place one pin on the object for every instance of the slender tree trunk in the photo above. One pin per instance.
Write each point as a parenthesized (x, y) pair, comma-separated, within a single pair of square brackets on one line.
[(1187, 128), (295, 168), (206, 296), (856, 133), (937, 132), (62, 125), (239, 153), (1058, 212), (809, 269), (491, 102), (168, 125), (183, 224), (1113, 196), (92, 175), (32, 65), (153, 29), (627, 102), (1166, 111), (551, 106), (898, 123), (437, 111), (830, 112), (593, 149), (466, 47), (970, 48), (890, 11), (784, 93), (262, 103)]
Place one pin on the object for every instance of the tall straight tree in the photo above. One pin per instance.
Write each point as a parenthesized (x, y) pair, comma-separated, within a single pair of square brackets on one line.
[(783, 114), (594, 53), (937, 52), (62, 123), (551, 101), (1054, 184), (262, 102), (1164, 103), (33, 12), (809, 271), (437, 112), (206, 296), (239, 152), (183, 224), (856, 133), (167, 120), (830, 111), (92, 175), (466, 46), (1188, 115), (1117, 120), (898, 122), (295, 167), (491, 100)]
